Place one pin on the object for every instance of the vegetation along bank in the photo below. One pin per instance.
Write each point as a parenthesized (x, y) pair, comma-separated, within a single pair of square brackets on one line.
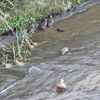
[(19, 16)]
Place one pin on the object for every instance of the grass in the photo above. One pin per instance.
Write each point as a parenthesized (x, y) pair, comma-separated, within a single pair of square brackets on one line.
[(16, 52), (20, 14), (28, 10)]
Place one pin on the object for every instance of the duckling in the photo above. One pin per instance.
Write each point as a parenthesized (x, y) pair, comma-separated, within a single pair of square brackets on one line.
[(61, 86), (50, 21), (65, 50), (31, 28), (43, 24)]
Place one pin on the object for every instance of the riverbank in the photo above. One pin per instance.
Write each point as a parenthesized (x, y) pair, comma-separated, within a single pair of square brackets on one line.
[(79, 8), (18, 14)]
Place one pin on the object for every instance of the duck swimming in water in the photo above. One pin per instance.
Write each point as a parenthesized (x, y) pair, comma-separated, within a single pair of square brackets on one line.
[(43, 24), (50, 21), (65, 50), (61, 86)]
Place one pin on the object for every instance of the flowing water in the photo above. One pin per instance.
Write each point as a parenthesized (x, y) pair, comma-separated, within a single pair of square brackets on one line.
[(81, 68)]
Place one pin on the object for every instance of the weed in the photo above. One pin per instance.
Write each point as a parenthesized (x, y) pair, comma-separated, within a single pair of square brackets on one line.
[(21, 16)]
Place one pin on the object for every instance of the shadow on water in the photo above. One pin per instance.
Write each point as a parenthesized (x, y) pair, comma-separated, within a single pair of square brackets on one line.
[(81, 68)]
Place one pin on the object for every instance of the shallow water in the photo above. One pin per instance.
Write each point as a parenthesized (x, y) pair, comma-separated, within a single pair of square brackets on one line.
[(81, 68)]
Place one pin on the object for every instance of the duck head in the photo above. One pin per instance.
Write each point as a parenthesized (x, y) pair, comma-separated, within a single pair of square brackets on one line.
[(64, 50)]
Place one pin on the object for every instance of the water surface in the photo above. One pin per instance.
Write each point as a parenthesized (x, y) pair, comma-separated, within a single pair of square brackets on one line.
[(81, 68)]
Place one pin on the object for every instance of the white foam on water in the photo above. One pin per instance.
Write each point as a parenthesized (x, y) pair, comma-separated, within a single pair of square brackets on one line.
[(4, 90), (34, 68)]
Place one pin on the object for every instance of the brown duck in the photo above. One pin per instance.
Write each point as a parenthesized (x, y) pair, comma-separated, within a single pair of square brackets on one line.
[(50, 21), (43, 24), (31, 28), (61, 86)]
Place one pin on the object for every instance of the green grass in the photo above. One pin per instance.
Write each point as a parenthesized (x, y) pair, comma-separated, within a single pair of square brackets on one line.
[(26, 10), (20, 14)]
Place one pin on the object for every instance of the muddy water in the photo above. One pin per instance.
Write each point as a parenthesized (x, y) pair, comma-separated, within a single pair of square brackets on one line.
[(81, 68)]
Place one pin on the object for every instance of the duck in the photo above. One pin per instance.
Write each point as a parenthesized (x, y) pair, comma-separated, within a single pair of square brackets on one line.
[(65, 50), (31, 28), (50, 21), (43, 24), (61, 85)]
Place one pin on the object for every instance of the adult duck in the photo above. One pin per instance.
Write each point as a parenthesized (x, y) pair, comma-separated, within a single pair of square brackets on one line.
[(65, 50), (43, 24), (50, 21), (61, 86)]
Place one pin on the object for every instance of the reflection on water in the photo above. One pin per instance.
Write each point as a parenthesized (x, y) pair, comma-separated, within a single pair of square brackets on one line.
[(81, 68)]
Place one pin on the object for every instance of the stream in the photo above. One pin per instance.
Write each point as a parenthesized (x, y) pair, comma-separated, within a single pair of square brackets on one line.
[(81, 69)]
